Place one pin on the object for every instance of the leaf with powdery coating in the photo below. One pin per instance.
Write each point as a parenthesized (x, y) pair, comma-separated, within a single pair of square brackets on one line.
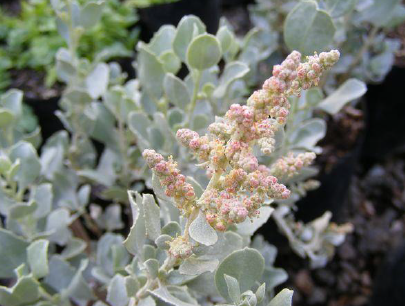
[(201, 231), (245, 265)]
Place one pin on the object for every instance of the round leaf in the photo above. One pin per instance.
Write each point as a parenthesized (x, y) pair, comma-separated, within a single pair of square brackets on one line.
[(350, 90), (308, 29), (188, 26), (176, 90), (202, 232), (171, 63), (204, 52), (245, 265), (6, 118)]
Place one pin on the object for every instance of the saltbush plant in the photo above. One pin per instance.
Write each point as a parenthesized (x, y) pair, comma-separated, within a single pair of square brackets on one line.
[(358, 28), (220, 162)]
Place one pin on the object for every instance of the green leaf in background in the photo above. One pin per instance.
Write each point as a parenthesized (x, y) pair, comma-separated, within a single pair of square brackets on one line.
[(138, 123), (91, 14), (308, 133), (337, 8), (172, 294), (172, 229), (6, 118), (97, 80), (380, 12), (233, 288), (204, 52), (350, 90), (186, 28), (233, 71), (12, 253), (162, 40), (397, 18), (37, 254), (196, 266), (284, 298), (24, 292), (225, 38), (152, 266), (274, 277), (171, 63), (137, 235), (57, 223), (12, 101), (308, 29), (150, 71), (152, 216), (64, 67), (176, 91), (21, 210), (201, 231), (30, 167), (175, 117), (162, 241), (155, 138), (116, 292), (199, 122), (148, 301), (245, 265), (260, 292), (78, 96), (74, 247)]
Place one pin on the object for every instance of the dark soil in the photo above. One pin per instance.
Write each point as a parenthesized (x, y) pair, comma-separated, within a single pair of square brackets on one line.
[(343, 135), (376, 207), (32, 83)]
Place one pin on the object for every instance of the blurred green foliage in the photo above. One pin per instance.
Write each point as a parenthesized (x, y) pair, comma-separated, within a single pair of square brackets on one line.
[(31, 40)]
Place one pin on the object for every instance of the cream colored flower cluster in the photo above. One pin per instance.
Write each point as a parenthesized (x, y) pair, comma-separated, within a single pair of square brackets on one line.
[(290, 165), (239, 185)]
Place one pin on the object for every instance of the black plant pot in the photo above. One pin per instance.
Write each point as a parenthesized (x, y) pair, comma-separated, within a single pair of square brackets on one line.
[(385, 123), (333, 191), (389, 284), (152, 18), (45, 112), (233, 3)]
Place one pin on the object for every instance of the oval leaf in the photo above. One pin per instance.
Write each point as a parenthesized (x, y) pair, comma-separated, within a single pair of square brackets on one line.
[(350, 90), (204, 52), (308, 29), (6, 118), (202, 232), (37, 254), (337, 8), (176, 90), (184, 34), (245, 265)]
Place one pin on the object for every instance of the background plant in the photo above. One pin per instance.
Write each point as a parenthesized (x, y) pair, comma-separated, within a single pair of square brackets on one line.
[(357, 28), (31, 40)]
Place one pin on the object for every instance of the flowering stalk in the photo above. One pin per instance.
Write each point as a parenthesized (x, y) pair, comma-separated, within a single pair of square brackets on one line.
[(239, 186)]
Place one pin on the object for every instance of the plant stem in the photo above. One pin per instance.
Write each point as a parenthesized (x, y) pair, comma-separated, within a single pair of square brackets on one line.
[(289, 127), (190, 219), (153, 283), (213, 181), (283, 225), (195, 93)]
